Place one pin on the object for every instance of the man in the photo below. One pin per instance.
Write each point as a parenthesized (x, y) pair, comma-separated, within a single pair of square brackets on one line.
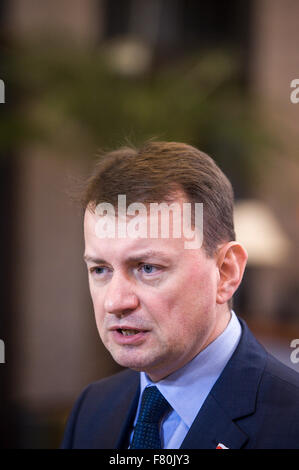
[(195, 377)]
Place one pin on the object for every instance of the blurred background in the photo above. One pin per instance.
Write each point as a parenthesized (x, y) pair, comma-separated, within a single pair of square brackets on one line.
[(83, 75)]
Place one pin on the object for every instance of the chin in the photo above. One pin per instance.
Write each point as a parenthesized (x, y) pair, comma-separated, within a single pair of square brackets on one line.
[(132, 363)]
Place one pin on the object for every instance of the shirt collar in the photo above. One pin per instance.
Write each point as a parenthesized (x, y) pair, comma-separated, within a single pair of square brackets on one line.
[(187, 388)]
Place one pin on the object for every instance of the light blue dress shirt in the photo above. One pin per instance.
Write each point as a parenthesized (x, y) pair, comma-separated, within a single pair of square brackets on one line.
[(187, 388)]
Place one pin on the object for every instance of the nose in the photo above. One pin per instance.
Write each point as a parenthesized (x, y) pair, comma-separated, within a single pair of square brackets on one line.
[(120, 297)]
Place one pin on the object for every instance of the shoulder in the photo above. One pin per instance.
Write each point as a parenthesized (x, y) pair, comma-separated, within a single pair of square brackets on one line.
[(277, 407), (273, 373), (273, 422), (98, 412), (108, 386), (280, 381)]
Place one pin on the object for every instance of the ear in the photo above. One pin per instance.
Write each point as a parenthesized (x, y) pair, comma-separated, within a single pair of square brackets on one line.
[(231, 262)]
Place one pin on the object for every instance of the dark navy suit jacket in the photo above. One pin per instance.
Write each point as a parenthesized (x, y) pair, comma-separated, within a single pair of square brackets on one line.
[(254, 405)]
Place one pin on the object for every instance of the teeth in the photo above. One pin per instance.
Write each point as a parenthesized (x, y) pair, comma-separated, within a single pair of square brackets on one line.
[(129, 332)]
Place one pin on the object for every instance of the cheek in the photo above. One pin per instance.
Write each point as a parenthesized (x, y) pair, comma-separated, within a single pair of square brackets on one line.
[(96, 293), (98, 309), (202, 284), (191, 300), (177, 296), (94, 297)]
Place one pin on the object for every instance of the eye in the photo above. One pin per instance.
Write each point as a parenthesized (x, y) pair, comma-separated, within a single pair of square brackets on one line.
[(98, 270), (148, 268)]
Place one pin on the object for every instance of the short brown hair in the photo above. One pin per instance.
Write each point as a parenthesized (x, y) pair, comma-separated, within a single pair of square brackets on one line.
[(155, 173)]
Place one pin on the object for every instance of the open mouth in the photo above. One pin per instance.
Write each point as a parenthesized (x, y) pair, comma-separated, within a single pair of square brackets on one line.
[(128, 332), (129, 335)]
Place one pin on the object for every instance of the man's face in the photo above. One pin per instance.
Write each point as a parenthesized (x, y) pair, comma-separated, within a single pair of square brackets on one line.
[(154, 301)]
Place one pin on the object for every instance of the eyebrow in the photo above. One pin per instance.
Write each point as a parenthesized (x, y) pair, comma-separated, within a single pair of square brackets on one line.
[(133, 258)]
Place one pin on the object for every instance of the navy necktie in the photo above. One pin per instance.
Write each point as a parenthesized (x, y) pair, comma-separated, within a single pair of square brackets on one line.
[(153, 407)]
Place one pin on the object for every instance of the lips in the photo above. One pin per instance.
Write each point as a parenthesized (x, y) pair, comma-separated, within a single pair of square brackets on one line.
[(127, 330), (128, 334)]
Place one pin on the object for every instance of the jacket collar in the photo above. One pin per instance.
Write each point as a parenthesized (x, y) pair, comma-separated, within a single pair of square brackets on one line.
[(128, 412), (112, 423), (232, 397)]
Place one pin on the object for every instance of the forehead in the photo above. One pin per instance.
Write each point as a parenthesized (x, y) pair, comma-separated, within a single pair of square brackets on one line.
[(125, 247)]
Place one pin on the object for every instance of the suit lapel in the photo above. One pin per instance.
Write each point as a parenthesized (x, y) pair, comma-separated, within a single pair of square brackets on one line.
[(129, 409), (113, 426), (232, 397), (211, 427)]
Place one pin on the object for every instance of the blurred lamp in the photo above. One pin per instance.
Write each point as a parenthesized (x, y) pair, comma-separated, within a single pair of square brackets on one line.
[(129, 56), (260, 232)]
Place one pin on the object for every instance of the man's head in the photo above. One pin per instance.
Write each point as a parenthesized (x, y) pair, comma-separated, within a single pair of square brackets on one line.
[(156, 172), (173, 300)]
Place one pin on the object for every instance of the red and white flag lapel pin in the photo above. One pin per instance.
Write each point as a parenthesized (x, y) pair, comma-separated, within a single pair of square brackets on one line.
[(221, 446)]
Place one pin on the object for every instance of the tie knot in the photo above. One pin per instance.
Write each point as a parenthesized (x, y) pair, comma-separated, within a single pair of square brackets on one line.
[(153, 405)]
